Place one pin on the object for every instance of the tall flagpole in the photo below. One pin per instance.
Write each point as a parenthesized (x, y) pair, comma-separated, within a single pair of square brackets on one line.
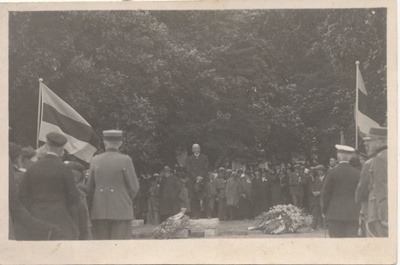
[(39, 112), (356, 107)]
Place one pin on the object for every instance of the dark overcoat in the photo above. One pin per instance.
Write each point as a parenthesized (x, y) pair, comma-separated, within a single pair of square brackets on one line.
[(49, 192), (170, 187), (19, 215), (261, 188), (338, 193), (195, 166), (112, 186)]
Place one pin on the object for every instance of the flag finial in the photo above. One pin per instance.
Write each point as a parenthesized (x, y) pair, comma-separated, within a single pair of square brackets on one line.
[(40, 80), (357, 62)]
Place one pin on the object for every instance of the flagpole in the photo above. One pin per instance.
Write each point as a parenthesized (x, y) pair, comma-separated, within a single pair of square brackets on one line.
[(356, 107), (39, 112)]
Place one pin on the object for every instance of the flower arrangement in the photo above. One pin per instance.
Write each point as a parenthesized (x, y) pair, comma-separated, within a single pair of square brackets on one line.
[(281, 219), (171, 226)]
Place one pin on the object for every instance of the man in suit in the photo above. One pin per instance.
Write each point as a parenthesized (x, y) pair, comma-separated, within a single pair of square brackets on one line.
[(170, 187), (338, 204), (49, 192), (316, 199), (196, 166), (372, 187), (295, 179), (112, 186)]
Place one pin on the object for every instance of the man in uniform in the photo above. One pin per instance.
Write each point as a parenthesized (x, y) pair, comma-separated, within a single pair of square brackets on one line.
[(337, 201), (372, 187), (49, 192), (196, 166), (112, 186)]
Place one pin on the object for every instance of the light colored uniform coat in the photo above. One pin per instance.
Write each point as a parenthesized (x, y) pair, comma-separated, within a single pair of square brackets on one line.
[(112, 186)]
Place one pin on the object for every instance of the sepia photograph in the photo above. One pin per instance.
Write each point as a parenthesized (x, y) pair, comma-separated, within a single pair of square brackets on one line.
[(148, 124)]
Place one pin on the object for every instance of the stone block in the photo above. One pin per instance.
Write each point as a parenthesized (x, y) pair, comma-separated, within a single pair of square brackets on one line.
[(182, 234), (139, 222), (210, 232)]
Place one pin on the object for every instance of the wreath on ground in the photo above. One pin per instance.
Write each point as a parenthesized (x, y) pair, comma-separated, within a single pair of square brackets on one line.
[(173, 225), (281, 219)]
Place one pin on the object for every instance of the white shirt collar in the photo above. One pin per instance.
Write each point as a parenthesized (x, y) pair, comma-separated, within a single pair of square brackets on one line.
[(52, 153), (196, 155)]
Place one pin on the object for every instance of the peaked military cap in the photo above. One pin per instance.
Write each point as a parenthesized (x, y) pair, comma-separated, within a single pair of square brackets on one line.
[(378, 132), (28, 152), (112, 135), (14, 150), (56, 139), (344, 149)]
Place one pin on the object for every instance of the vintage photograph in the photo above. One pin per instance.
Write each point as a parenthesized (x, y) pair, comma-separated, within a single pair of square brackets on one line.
[(176, 125)]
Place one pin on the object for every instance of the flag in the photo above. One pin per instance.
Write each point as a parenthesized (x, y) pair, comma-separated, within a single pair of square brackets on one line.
[(58, 116), (363, 112)]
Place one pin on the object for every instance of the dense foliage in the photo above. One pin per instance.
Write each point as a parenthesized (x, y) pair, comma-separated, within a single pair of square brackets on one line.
[(243, 84)]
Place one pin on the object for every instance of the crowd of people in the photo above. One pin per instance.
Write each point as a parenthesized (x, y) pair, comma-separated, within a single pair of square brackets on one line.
[(51, 199)]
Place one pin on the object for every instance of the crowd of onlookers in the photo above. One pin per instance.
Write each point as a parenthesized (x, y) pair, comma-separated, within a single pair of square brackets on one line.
[(62, 197), (224, 193)]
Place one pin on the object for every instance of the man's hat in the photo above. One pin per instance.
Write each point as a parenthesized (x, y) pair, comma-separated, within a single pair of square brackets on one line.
[(56, 139), (378, 132), (76, 166), (344, 149), (221, 169), (14, 150), (297, 166), (156, 175), (28, 152), (319, 167), (166, 168), (112, 135)]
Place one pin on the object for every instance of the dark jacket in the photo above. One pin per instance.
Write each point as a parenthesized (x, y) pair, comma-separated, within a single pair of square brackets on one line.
[(170, 187), (197, 166), (338, 193), (260, 193), (20, 216), (49, 192)]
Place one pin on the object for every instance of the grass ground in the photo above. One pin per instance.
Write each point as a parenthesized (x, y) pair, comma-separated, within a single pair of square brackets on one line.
[(233, 229)]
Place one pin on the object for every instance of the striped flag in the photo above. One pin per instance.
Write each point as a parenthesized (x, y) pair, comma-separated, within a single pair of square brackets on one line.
[(58, 116), (363, 112)]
